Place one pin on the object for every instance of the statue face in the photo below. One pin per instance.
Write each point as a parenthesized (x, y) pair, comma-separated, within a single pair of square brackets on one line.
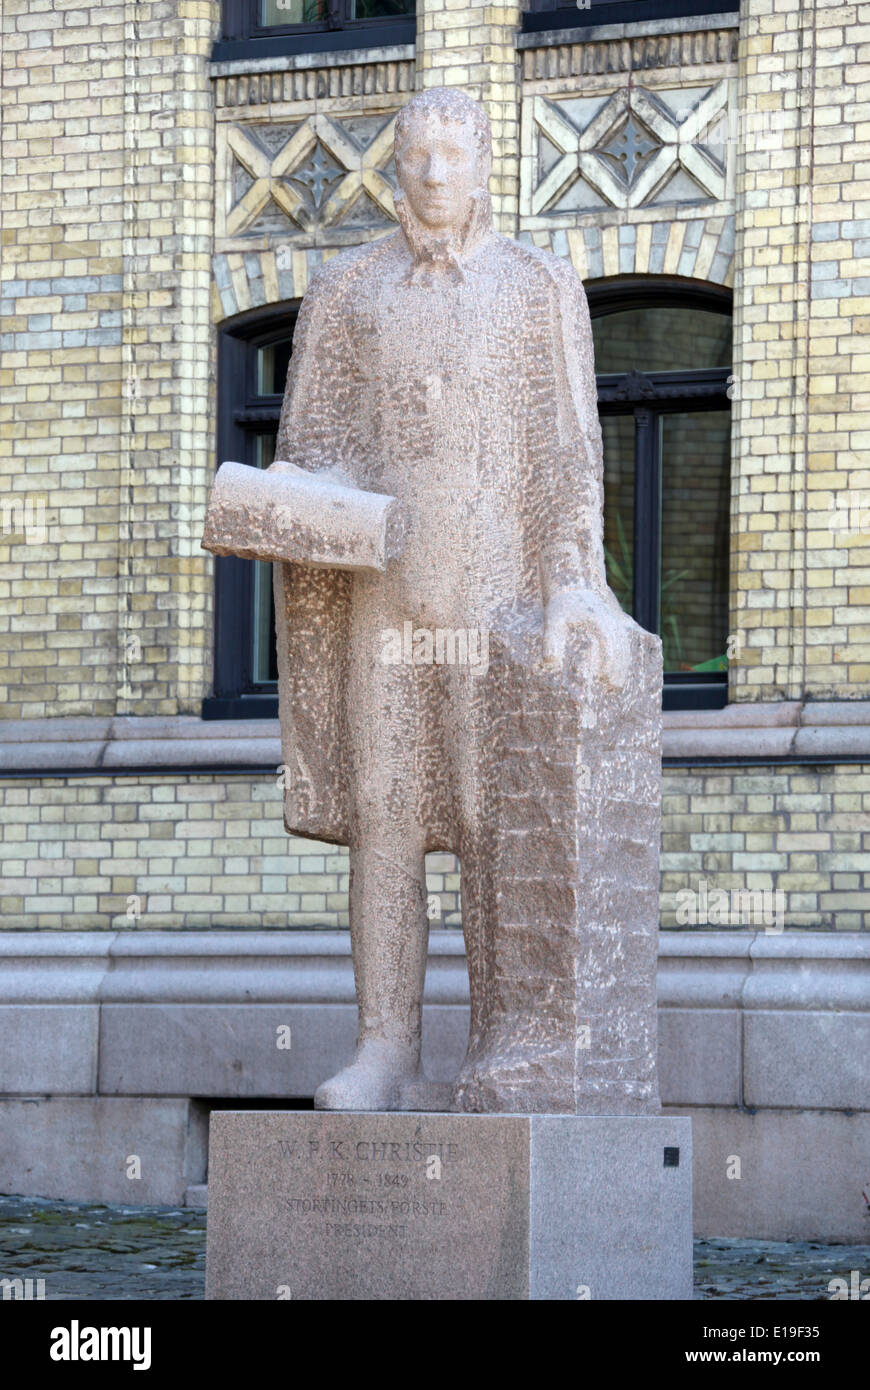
[(438, 170)]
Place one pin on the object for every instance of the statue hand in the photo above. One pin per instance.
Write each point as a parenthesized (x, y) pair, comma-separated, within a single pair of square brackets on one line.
[(601, 617)]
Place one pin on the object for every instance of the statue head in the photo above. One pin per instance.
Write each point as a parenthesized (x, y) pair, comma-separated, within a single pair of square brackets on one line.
[(443, 156)]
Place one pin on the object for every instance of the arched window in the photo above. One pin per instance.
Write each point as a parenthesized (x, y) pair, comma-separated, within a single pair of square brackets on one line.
[(253, 355), (663, 358)]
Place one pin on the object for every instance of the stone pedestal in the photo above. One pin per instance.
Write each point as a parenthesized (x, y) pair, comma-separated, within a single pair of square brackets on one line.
[(333, 1206)]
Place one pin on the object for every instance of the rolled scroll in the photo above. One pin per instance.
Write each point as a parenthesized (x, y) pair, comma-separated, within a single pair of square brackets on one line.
[(286, 513)]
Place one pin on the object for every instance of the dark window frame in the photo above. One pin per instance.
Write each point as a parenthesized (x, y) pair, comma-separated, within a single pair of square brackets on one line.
[(540, 18), (243, 36), (647, 396), (242, 413)]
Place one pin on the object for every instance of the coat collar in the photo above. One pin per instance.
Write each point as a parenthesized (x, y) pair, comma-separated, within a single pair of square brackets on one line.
[(431, 252)]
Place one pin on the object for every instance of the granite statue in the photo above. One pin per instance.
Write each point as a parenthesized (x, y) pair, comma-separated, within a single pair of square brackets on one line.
[(454, 672)]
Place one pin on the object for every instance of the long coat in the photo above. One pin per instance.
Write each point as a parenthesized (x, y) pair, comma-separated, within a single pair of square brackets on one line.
[(412, 367)]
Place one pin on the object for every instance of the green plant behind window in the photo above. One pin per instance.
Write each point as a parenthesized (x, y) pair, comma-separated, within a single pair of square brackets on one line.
[(620, 577)]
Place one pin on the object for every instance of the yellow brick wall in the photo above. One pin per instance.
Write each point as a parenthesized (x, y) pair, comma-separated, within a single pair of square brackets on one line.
[(108, 357), (96, 853), (802, 296), (106, 374), (99, 853)]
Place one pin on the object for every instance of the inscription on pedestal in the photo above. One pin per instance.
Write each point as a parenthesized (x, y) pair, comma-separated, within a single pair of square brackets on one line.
[(403, 1211), (371, 1179)]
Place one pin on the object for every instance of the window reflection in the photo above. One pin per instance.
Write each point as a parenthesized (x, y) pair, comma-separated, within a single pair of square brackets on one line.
[(695, 505), (284, 12), (666, 338)]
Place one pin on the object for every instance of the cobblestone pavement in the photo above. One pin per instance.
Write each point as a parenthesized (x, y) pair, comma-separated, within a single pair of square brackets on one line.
[(772, 1269), (89, 1251)]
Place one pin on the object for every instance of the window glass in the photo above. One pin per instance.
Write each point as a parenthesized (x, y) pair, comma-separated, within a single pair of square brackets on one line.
[(684, 482), (380, 9), (695, 508), (272, 364), (317, 11), (294, 12), (618, 437), (264, 663), (661, 339)]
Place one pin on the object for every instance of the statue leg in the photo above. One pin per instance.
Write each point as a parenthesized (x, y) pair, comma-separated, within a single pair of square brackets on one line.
[(389, 937), (389, 927)]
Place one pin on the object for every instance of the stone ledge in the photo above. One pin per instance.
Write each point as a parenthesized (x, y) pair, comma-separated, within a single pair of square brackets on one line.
[(196, 1013), (295, 62), (48, 746), (202, 967), (745, 969), (826, 729), (639, 29), (787, 729)]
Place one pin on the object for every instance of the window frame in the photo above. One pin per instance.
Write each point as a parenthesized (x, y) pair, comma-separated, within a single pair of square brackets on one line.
[(647, 396), (236, 695), (597, 12), (243, 36)]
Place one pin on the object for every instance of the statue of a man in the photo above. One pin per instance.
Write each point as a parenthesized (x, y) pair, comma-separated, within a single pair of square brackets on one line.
[(483, 694)]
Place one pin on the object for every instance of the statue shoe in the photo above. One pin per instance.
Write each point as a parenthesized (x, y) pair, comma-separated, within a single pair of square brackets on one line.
[(373, 1081)]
